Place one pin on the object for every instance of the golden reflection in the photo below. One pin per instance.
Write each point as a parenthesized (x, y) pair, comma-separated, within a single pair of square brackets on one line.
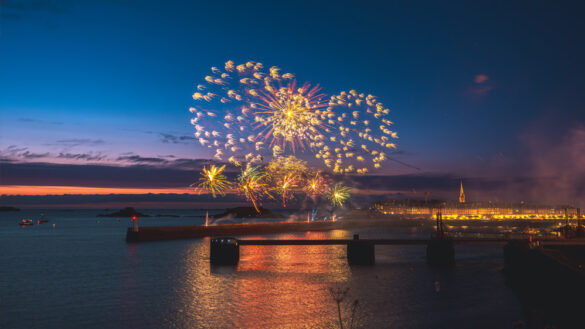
[(284, 285), (292, 283)]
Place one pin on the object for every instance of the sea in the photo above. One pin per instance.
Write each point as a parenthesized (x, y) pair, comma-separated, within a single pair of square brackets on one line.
[(77, 271)]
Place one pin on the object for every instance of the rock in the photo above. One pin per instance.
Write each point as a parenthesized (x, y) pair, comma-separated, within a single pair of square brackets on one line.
[(9, 209), (126, 212)]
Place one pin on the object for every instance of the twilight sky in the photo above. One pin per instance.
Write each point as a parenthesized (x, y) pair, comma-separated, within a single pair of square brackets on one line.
[(95, 94)]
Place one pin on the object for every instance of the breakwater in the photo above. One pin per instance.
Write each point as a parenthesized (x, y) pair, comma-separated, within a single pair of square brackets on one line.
[(156, 233)]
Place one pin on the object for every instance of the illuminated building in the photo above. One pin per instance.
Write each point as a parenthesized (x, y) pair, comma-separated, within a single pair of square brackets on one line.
[(463, 209)]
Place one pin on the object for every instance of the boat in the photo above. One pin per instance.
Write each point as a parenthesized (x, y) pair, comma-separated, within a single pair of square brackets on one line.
[(26, 222)]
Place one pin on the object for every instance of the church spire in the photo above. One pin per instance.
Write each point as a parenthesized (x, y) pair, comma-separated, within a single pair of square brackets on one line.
[(461, 193)]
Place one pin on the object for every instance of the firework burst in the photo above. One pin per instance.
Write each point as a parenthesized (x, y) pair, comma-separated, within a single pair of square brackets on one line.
[(262, 109), (213, 180), (364, 137), (288, 115), (286, 187), (315, 186), (251, 183), (338, 194)]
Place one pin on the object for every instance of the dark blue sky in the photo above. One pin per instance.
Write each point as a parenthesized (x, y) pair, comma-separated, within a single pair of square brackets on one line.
[(476, 88)]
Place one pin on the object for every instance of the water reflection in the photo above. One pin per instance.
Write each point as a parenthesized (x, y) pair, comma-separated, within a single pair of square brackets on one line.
[(285, 285), (289, 287)]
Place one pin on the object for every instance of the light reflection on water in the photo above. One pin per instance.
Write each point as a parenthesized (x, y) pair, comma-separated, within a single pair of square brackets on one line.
[(82, 274), (272, 286)]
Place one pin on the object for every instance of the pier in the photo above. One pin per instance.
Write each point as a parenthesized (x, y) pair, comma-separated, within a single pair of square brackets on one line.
[(158, 233), (440, 251)]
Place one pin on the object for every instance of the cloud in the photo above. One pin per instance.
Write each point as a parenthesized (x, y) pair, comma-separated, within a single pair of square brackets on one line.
[(13, 151), (68, 144), (197, 164), (148, 201), (80, 141), (93, 175), (480, 78), (30, 155), (16, 154), (140, 159), (174, 139), (82, 156), (482, 85), (31, 120), (169, 161)]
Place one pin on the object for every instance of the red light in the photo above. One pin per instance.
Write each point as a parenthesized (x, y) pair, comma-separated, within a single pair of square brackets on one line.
[(134, 217)]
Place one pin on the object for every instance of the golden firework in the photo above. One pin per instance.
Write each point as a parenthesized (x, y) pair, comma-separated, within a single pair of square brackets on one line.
[(290, 115), (251, 183), (213, 180), (285, 189), (338, 194), (315, 186), (262, 108)]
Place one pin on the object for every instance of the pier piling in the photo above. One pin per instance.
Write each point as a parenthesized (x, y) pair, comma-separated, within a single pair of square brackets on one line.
[(440, 251), (360, 252), (224, 251)]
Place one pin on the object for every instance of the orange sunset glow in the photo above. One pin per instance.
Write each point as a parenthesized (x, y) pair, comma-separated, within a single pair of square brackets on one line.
[(83, 190)]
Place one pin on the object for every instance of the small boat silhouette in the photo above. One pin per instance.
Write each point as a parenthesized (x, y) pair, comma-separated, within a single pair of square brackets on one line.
[(26, 222)]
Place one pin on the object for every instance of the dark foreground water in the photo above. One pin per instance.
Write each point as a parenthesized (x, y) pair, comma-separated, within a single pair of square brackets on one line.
[(82, 274)]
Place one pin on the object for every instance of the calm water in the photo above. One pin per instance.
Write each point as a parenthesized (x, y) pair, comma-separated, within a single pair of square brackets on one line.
[(82, 274)]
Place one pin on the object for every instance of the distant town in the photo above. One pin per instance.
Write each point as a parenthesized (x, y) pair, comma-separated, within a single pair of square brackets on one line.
[(463, 209)]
